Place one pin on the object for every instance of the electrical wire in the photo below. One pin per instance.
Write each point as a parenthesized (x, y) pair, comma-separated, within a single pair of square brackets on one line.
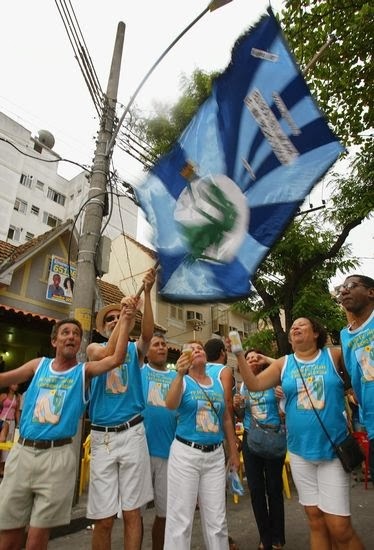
[(59, 159), (81, 53)]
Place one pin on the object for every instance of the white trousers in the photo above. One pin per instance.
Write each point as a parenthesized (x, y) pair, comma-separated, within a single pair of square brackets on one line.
[(194, 475)]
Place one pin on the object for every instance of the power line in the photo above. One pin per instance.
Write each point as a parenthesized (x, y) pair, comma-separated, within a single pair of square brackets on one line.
[(81, 53)]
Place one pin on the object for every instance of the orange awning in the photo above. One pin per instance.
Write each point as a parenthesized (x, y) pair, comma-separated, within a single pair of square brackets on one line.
[(26, 313)]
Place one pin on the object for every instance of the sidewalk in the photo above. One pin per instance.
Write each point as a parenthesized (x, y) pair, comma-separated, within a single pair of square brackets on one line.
[(242, 527)]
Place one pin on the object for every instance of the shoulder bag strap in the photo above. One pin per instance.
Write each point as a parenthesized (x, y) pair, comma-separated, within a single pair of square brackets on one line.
[(10, 406)]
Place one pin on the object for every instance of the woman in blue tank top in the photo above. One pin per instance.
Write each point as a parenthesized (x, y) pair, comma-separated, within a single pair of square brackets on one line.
[(196, 467), (264, 475), (311, 374)]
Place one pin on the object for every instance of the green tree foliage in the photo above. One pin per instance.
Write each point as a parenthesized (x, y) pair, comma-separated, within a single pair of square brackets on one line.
[(162, 130), (293, 280), (263, 340), (342, 78)]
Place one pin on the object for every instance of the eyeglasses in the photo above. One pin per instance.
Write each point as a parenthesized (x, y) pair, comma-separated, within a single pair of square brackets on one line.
[(111, 318), (350, 286)]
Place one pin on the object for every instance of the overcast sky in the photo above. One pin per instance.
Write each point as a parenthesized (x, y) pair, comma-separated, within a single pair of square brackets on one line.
[(42, 86)]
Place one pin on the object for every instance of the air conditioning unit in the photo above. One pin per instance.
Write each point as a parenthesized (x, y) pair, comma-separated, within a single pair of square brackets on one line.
[(194, 316)]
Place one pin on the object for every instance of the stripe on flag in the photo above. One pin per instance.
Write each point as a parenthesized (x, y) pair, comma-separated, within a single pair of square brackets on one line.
[(226, 191)]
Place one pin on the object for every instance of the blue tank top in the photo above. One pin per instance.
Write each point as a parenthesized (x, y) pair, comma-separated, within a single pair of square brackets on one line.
[(117, 396), (358, 353), (159, 421), (305, 436), (197, 420), (262, 405), (54, 402)]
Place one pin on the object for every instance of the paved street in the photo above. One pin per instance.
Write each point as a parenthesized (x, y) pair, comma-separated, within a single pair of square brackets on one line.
[(241, 525)]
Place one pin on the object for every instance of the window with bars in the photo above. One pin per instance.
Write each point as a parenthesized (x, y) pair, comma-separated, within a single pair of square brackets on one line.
[(56, 197), (176, 312), (26, 180), (20, 206), (51, 220)]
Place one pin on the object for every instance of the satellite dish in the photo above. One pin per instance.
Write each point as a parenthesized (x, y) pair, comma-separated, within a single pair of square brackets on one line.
[(46, 138)]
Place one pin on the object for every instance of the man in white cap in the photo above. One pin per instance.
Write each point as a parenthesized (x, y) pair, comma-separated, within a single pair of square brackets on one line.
[(120, 465)]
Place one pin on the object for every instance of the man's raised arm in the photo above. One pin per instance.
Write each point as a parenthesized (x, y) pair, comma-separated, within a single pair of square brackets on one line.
[(124, 325)]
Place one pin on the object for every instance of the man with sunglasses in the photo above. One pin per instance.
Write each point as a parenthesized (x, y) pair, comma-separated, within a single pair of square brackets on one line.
[(120, 476), (357, 340)]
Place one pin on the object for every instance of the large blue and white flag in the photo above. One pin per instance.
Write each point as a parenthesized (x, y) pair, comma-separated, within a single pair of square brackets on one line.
[(235, 178)]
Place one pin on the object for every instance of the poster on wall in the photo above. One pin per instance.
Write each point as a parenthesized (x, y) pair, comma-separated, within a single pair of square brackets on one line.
[(61, 280)]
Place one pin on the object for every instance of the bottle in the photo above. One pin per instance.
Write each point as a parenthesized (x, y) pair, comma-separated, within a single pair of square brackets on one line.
[(236, 343)]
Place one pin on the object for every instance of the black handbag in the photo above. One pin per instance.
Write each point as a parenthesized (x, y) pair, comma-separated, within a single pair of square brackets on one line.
[(348, 451), (265, 441)]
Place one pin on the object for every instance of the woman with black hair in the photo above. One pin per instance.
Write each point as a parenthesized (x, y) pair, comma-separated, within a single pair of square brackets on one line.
[(311, 375), (264, 475)]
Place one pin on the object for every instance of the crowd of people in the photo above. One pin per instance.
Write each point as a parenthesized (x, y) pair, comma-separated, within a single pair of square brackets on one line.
[(169, 435)]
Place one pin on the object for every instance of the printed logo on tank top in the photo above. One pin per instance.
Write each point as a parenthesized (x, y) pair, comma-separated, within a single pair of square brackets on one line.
[(206, 418), (258, 405), (49, 401), (117, 380), (157, 392), (316, 390), (365, 358)]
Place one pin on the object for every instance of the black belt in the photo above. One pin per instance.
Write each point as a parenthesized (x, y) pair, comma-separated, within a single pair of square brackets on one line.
[(44, 444), (198, 446), (121, 427)]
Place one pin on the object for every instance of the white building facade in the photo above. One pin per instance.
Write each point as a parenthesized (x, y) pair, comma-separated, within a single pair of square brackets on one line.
[(35, 198)]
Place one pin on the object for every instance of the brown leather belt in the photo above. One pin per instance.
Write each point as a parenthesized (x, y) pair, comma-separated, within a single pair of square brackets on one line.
[(43, 443), (121, 427), (198, 446)]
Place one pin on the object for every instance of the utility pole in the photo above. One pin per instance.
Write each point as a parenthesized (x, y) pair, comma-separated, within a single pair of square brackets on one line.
[(85, 282)]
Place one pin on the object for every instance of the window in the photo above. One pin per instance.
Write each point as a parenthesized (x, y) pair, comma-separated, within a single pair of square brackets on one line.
[(39, 185), (246, 328), (14, 233), (26, 180), (20, 206), (29, 236), (56, 197), (176, 312), (35, 210), (51, 220), (194, 316)]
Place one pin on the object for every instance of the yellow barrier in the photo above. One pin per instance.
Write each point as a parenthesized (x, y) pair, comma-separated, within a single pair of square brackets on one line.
[(85, 465), (285, 472), (6, 445)]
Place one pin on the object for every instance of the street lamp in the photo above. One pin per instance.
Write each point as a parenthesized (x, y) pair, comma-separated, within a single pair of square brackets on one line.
[(213, 5)]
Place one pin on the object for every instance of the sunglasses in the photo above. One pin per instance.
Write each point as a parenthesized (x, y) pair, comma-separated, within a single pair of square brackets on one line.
[(350, 286), (111, 318)]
